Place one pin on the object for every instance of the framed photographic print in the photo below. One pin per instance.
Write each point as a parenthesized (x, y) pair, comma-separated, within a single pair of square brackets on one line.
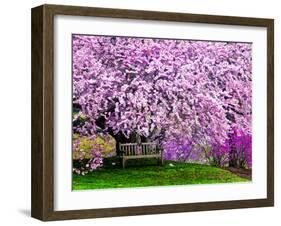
[(141, 112)]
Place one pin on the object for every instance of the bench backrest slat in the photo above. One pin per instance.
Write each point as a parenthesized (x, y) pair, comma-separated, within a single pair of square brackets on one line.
[(131, 149)]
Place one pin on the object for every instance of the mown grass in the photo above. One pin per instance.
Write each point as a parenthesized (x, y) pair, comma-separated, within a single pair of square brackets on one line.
[(144, 173)]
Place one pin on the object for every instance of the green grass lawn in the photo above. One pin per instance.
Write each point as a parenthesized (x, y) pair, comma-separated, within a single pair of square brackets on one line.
[(149, 174)]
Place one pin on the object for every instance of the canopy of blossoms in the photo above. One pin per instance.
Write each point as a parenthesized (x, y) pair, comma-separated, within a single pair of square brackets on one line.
[(191, 92)]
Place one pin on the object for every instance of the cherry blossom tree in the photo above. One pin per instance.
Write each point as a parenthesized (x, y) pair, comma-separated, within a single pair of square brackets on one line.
[(183, 91)]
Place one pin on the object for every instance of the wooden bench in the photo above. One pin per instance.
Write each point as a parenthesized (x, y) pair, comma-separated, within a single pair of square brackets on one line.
[(138, 151)]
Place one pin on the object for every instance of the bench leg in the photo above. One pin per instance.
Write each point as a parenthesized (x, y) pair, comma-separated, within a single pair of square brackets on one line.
[(120, 160), (161, 158), (160, 161), (123, 163)]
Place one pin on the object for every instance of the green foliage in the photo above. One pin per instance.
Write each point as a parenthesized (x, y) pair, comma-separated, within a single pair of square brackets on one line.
[(106, 145)]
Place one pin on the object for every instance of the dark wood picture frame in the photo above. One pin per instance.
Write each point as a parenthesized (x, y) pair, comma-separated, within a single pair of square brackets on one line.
[(42, 203)]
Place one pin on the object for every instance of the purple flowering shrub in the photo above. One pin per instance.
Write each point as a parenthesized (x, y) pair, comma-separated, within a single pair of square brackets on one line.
[(217, 154), (235, 152), (240, 152)]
